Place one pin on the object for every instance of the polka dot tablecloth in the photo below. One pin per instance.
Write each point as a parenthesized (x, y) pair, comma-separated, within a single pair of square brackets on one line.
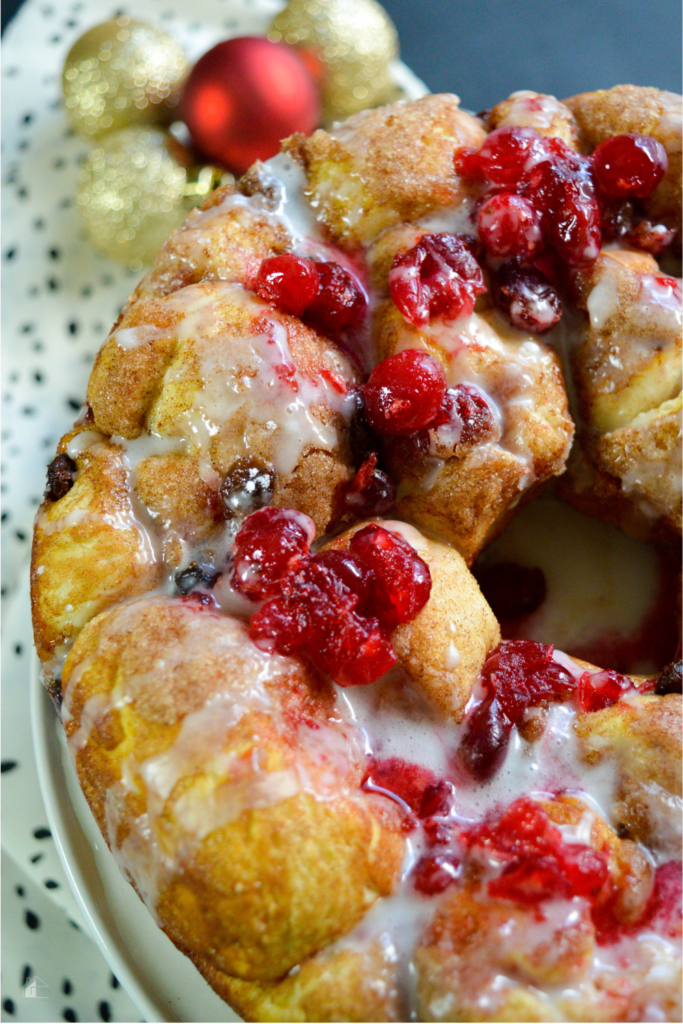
[(59, 299)]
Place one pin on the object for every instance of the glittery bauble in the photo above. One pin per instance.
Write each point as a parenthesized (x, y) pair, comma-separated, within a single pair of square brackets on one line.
[(120, 73), (135, 188), (244, 96), (356, 41)]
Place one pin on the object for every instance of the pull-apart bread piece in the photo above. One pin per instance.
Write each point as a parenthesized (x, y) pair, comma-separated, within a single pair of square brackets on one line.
[(287, 701)]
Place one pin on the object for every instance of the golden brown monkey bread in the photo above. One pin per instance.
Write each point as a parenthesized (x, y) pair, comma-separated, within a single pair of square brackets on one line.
[(549, 117), (216, 372), (287, 701), (627, 369), (634, 109), (386, 166), (465, 488), (234, 763)]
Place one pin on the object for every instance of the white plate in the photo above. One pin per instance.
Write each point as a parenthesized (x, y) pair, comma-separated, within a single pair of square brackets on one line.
[(162, 982)]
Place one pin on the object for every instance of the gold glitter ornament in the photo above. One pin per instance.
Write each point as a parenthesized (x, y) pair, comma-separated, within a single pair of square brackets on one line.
[(356, 41), (119, 73), (136, 187)]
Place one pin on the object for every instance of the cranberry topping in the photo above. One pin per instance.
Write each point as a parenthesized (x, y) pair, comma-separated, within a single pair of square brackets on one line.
[(403, 580), (527, 297), (598, 690), (325, 293), (539, 864), (649, 237), (518, 675), (405, 780), (663, 912), (629, 165), (437, 277), (404, 392), (509, 226), (504, 156), (511, 589), (248, 486), (436, 872), (271, 543), (468, 408), (340, 303), (289, 282), (60, 477), (371, 492), (314, 614)]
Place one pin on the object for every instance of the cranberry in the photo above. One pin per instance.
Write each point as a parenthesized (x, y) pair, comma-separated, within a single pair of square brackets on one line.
[(505, 155), (315, 615), (663, 912), (248, 486), (598, 690), (539, 864), (404, 392), (270, 544), (353, 573), (437, 799), (437, 277), (629, 165), (528, 298), (340, 303), (468, 408), (649, 237), (484, 744), (512, 590), (617, 220), (406, 780), (519, 674), (435, 873), (371, 492), (289, 282), (403, 578), (60, 477), (509, 226)]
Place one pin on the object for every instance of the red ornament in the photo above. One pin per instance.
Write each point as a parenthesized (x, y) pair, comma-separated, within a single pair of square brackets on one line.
[(244, 96)]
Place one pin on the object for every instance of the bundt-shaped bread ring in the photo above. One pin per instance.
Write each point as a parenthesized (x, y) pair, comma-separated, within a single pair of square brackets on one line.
[(287, 700)]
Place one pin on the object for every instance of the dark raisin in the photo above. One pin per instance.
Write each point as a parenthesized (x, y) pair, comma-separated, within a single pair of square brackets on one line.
[(670, 680), (60, 477), (195, 576), (249, 486), (362, 439)]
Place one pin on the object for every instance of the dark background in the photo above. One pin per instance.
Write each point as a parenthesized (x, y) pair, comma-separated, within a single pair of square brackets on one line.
[(485, 49)]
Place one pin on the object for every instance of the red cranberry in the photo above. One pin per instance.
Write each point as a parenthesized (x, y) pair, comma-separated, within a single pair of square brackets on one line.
[(404, 392), (505, 155), (528, 298), (403, 578), (519, 674), (353, 573), (435, 873), (315, 615), (629, 165), (663, 912), (485, 741), (540, 864), (437, 799), (598, 690), (404, 779), (271, 543), (289, 282), (371, 492), (652, 238), (468, 408), (512, 590), (340, 303), (437, 277), (509, 226)]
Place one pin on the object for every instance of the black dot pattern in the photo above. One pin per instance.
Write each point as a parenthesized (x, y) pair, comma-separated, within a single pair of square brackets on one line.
[(60, 298)]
